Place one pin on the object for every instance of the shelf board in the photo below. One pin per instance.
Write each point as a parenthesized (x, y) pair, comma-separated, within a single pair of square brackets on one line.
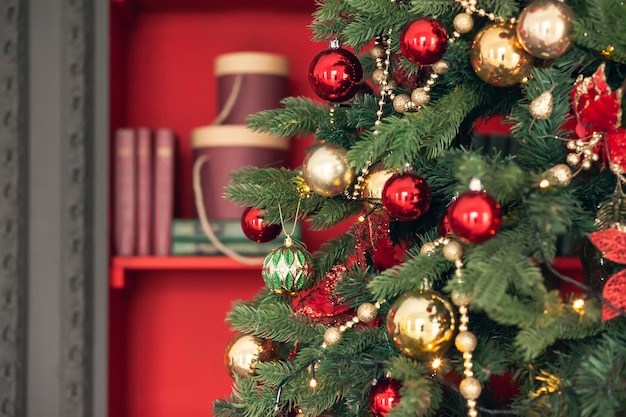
[(121, 264)]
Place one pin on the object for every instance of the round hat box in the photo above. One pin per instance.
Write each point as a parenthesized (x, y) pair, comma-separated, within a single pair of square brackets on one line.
[(249, 82), (222, 149)]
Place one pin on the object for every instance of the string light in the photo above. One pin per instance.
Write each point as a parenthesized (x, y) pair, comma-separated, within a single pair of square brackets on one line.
[(578, 305)]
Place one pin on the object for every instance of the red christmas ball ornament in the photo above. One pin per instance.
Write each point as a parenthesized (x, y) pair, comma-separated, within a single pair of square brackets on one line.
[(335, 74), (406, 196), (475, 217), (444, 226), (423, 41), (256, 228), (383, 396)]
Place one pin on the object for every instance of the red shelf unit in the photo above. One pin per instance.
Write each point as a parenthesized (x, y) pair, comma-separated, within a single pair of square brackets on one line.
[(166, 318), (122, 265)]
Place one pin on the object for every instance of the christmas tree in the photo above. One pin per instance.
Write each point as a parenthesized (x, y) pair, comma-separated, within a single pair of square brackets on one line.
[(443, 298)]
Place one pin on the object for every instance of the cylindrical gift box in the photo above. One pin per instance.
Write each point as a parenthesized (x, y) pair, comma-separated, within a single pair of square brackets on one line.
[(226, 148), (252, 81)]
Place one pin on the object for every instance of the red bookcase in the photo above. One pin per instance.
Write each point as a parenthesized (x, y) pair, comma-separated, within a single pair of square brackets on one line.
[(167, 330)]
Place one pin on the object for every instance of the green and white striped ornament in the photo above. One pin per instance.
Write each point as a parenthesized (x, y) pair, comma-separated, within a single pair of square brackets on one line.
[(287, 269)]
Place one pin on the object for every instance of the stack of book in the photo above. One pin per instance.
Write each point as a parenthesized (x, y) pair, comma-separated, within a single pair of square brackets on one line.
[(189, 239), (143, 191)]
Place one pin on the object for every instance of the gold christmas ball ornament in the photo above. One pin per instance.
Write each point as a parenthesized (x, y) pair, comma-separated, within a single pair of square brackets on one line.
[(498, 58), (463, 23), (421, 324), (332, 336), (326, 169), (544, 28), (465, 342), (470, 388), (428, 248), (559, 175), (378, 51), (378, 75), (460, 298), (440, 67), (420, 97), (402, 103), (453, 251), (541, 107), (366, 312), (243, 352), (374, 181)]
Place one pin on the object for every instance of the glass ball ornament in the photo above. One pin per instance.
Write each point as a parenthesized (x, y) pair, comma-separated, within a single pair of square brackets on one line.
[(243, 352), (406, 196), (544, 28), (423, 41), (383, 396), (374, 182), (498, 58), (326, 170), (255, 227), (475, 217), (421, 324), (287, 269), (335, 74)]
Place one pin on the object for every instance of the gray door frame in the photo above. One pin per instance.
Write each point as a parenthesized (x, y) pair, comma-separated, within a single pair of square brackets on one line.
[(53, 207)]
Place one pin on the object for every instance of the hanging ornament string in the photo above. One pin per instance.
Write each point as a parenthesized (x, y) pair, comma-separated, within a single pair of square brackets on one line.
[(204, 221), (295, 222)]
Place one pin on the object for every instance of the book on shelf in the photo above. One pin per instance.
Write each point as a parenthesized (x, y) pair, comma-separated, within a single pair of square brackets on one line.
[(125, 192), (145, 189), (164, 154), (190, 230), (246, 248)]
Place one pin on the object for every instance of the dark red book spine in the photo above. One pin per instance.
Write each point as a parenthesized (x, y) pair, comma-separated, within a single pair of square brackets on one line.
[(125, 192), (145, 202), (164, 154)]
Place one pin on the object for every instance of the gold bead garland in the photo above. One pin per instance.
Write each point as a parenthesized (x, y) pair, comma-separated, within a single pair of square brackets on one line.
[(465, 341), (365, 313)]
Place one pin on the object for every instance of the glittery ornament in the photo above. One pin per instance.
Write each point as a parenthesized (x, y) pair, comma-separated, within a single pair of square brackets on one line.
[(470, 388), (465, 341), (420, 97), (326, 169), (320, 302), (243, 352), (332, 336), (559, 175), (256, 228), (401, 103), (541, 107), (366, 312), (463, 23), (475, 217), (406, 196), (498, 58), (421, 324), (287, 269), (453, 251), (373, 243), (384, 395), (544, 28), (335, 74), (441, 67), (423, 41)]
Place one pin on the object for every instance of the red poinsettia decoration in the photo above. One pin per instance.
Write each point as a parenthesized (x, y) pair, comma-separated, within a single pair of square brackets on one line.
[(612, 243), (598, 109)]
